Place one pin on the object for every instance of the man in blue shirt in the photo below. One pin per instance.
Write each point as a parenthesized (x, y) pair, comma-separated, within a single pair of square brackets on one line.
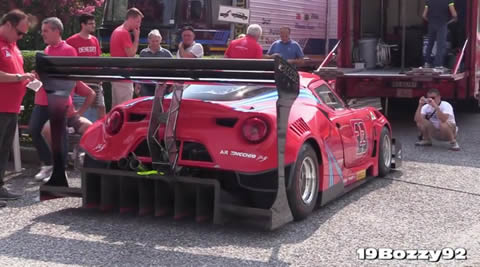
[(287, 48), (437, 14)]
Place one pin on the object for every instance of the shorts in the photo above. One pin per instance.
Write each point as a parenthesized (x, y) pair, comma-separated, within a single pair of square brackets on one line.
[(436, 134), (121, 92), (76, 122)]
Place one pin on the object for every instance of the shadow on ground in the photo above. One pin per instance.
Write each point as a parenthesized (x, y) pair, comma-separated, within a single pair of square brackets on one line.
[(152, 240)]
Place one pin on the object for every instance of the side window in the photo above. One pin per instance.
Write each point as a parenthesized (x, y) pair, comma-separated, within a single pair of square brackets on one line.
[(328, 98)]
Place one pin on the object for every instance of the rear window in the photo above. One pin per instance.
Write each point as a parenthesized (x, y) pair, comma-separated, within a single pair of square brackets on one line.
[(225, 92)]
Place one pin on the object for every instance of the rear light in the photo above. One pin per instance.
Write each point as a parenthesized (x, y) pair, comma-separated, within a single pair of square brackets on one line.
[(114, 122), (255, 129)]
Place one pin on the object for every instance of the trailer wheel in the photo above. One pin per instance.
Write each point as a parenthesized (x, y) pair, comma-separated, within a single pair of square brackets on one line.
[(385, 153), (303, 192)]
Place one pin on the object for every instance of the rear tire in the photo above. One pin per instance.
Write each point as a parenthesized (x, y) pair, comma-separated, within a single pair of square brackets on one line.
[(303, 192), (385, 153)]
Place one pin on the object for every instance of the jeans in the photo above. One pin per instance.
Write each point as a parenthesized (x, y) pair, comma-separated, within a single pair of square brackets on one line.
[(8, 122), (436, 32), (38, 119)]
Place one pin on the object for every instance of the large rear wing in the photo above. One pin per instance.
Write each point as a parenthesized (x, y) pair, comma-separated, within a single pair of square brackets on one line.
[(163, 69), (265, 71)]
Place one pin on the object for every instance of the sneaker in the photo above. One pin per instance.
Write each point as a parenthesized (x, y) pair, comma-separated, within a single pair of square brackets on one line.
[(5, 195), (454, 146), (423, 143), (3, 204), (44, 173), (427, 65)]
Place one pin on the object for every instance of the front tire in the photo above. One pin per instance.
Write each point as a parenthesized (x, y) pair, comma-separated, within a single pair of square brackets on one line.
[(385, 153), (303, 192)]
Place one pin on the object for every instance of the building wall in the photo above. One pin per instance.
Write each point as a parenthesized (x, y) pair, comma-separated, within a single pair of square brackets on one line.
[(307, 20)]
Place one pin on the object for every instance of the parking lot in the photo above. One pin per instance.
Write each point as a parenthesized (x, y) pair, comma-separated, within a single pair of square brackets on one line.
[(433, 202)]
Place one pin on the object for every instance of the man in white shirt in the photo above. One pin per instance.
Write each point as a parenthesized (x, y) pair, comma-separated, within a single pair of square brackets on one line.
[(435, 119), (188, 48)]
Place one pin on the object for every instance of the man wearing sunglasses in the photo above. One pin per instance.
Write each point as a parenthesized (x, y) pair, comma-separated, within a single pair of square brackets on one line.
[(435, 119), (13, 26)]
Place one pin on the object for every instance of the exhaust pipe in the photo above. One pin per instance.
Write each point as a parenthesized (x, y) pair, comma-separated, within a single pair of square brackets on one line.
[(137, 165)]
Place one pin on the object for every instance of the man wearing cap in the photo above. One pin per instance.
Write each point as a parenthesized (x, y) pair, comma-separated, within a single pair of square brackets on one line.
[(188, 48)]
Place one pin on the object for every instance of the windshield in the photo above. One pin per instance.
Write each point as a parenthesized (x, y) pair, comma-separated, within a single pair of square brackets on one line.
[(156, 12), (225, 92)]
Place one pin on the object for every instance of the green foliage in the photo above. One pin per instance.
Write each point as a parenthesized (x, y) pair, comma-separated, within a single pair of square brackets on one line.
[(66, 10)]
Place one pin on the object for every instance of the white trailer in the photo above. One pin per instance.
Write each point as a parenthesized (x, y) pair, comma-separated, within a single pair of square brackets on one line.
[(313, 23)]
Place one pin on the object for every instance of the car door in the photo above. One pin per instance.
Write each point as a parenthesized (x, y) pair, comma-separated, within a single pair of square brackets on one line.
[(353, 127)]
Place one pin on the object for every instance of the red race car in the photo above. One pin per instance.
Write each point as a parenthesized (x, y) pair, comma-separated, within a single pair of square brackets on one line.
[(242, 139)]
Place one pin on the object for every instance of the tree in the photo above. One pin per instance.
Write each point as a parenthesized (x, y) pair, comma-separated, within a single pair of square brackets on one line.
[(66, 10), (63, 9)]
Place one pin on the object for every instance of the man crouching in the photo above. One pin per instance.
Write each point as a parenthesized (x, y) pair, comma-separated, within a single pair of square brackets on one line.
[(435, 119)]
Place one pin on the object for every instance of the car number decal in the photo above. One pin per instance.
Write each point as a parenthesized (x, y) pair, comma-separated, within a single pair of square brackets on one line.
[(360, 134)]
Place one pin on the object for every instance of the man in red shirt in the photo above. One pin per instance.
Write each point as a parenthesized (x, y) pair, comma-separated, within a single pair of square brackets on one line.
[(87, 46), (52, 29), (121, 45), (13, 26), (246, 47)]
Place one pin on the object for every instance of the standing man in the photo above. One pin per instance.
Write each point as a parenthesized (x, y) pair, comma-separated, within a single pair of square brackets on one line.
[(247, 46), (121, 45), (437, 13), (52, 29), (188, 48), (87, 46), (13, 26), (435, 119), (287, 48), (154, 49)]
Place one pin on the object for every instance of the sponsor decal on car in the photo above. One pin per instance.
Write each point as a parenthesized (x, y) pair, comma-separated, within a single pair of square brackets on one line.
[(233, 153), (361, 174)]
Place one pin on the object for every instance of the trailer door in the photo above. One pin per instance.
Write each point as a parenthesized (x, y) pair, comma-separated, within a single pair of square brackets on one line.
[(475, 36)]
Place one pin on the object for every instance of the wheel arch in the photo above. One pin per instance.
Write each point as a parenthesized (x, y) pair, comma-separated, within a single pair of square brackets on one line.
[(318, 152), (311, 141)]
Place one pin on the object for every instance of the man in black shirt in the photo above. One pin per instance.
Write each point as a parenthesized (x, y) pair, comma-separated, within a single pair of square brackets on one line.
[(437, 13)]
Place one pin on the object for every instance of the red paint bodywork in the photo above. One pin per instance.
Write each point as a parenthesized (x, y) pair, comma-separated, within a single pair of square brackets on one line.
[(308, 122)]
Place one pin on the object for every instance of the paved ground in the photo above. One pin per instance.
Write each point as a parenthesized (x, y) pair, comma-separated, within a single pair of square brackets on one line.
[(432, 203)]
